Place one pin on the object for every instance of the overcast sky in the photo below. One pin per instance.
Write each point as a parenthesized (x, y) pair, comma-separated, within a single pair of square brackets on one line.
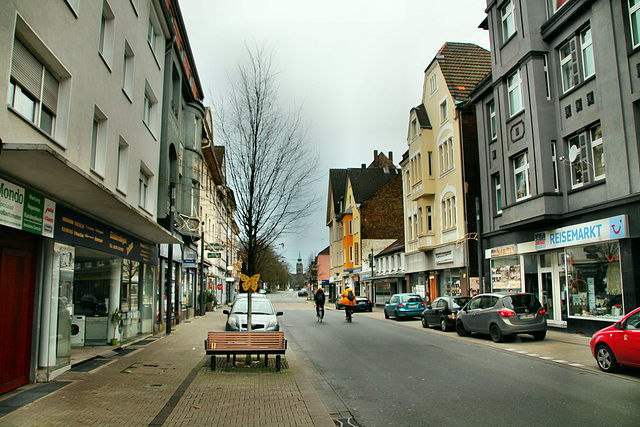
[(354, 67)]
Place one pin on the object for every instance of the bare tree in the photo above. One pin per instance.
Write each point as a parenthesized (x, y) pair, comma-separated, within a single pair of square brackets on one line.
[(270, 165)]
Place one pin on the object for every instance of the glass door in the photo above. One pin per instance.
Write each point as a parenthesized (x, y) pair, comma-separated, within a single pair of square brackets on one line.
[(553, 287)]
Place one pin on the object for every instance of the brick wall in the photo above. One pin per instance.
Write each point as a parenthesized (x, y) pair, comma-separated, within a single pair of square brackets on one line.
[(382, 214)]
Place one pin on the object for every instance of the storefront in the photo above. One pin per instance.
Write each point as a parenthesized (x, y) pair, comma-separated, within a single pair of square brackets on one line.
[(576, 271)]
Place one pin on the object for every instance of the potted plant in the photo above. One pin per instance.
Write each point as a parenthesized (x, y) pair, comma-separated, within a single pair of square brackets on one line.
[(116, 319), (209, 299)]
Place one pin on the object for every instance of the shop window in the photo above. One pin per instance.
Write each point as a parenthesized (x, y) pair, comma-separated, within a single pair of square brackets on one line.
[(449, 283), (506, 274), (595, 281)]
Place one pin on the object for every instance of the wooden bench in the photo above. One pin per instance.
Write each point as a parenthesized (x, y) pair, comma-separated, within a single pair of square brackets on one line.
[(233, 343)]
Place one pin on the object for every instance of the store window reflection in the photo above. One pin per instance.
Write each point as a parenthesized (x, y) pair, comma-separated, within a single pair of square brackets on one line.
[(595, 281)]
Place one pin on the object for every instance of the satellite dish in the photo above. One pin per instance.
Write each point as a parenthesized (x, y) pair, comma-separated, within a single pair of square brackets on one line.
[(573, 153)]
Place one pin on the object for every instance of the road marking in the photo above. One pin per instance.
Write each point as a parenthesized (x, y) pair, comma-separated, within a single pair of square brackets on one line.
[(578, 365), (533, 355), (560, 361)]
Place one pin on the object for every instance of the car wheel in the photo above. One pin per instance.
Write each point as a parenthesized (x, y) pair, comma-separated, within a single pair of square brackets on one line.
[(539, 336), (496, 333), (386, 315), (443, 325), (424, 323), (606, 359), (461, 330), (396, 316)]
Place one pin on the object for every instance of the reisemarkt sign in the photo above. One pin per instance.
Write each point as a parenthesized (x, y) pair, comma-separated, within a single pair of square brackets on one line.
[(25, 210), (589, 232)]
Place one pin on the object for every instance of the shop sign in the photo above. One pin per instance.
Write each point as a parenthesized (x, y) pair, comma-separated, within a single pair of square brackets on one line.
[(214, 254), (503, 251), (580, 234), (76, 229), (25, 210)]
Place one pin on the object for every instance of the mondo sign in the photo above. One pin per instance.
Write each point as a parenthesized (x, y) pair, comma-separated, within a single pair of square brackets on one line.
[(25, 210)]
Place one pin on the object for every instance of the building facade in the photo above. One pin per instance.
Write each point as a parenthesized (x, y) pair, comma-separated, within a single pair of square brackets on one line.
[(79, 171), (558, 144), (439, 173)]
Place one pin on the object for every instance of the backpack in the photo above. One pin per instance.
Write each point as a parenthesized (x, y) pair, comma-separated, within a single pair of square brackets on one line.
[(320, 296), (350, 295)]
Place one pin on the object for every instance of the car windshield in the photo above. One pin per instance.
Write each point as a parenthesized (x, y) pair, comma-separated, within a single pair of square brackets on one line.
[(522, 303), (459, 302), (257, 307), (411, 298)]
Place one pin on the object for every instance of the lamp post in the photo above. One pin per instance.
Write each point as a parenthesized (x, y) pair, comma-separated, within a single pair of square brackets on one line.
[(172, 207)]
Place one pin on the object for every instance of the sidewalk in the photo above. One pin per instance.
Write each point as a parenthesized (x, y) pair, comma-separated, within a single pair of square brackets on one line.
[(167, 381)]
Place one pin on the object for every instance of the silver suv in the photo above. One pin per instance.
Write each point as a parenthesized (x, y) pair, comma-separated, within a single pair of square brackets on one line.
[(501, 314)]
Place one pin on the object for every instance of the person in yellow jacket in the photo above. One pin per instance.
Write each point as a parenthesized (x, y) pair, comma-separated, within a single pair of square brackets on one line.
[(349, 301)]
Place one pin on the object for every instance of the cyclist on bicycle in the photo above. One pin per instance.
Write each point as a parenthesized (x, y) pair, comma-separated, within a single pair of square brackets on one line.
[(349, 301), (319, 298)]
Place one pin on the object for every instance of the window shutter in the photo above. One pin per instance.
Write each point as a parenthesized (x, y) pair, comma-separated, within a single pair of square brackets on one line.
[(50, 92), (26, 69)]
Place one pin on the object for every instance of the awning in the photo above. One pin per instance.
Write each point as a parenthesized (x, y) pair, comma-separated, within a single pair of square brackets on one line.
[(47, 172)]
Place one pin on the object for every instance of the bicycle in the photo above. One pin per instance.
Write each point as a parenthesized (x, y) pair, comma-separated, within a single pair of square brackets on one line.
[(349, 314), (320, 313)]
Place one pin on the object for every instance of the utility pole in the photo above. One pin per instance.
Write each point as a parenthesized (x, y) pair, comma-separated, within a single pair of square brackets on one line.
[(202, 243), (479, 248)]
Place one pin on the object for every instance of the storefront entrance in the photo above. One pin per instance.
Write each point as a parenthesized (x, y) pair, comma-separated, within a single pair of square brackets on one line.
[(553, 287)]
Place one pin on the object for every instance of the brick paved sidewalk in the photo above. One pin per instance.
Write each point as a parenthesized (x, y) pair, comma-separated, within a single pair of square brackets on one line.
[(169, 382)]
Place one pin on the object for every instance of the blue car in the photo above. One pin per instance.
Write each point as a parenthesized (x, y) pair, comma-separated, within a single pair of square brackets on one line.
[(404, 305)]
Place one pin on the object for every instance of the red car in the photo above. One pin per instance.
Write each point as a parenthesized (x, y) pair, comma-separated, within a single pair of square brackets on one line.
[(618, 344)]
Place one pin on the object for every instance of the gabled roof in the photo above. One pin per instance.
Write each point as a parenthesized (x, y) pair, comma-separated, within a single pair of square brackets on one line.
[(463, 66), (365, 182), (423, 117), (337, 182), (397, 246)]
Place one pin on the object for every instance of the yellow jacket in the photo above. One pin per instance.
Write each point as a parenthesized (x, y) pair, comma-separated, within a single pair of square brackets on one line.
[(345, 301)]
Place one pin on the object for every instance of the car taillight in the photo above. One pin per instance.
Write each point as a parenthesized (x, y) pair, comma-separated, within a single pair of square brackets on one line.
[(542, 312), (401, 305), (422, 304), (506, 313)]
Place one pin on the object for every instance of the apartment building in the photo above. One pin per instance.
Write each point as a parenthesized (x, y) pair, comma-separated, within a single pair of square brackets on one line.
[(558, 146), (440, 175), (79, 170)]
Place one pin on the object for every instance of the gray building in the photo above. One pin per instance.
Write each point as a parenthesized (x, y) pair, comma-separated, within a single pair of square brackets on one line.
[(558, 147)]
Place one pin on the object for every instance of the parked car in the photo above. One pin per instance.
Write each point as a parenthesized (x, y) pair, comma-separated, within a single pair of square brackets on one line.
[(263, 316), (362, 304), (442, 312), (404, 305), (618, 344), (501, 314), (302, 292)]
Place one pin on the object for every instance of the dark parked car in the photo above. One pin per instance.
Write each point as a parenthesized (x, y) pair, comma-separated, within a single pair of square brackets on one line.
[(442, 312), (263, 317), (404, 305), (618, 344), (501, 314), (302, 292), (362, 304)]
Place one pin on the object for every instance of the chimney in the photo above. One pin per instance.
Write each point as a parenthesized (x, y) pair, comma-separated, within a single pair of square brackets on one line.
[(363, 165), (391, 156), (375, 155)]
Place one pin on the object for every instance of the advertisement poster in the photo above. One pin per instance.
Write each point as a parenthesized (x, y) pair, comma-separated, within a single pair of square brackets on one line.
[(25, 210), (505, 278)]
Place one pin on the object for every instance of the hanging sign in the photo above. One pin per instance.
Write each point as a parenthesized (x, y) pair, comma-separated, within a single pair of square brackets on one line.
[(250, 282)]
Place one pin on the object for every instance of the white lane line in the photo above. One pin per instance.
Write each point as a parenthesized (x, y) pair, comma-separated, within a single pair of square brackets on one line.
[(560, 361)]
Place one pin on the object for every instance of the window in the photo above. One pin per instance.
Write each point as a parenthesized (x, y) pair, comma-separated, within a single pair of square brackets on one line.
[(446, 156), (497, 185), (154, 35), (122, 169), (143, 189), (350, 227), (493, 125), (433, 83), (414, 128), (410, 227), (554, 163), (351, 254), (546, 75), (597, 150), (429, 219), (588, 65), (521, 176), (99, 142), (569, 66), (33, 90), (449, 212), (634, 17), (557, 4), (420, 222), (107, 24), (149, 115), (127, 70), (444, 112), (508, 21), (430, 165), (514, 85)]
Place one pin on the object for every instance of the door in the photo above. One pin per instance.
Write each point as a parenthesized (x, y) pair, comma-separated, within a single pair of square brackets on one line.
[(17, 285), (629, 350), (553, 287)]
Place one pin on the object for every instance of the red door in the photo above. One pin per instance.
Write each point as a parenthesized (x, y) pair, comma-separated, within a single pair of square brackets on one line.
[(17, 285)]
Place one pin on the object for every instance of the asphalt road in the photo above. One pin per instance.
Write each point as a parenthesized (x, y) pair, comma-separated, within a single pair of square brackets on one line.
[(385, 373)]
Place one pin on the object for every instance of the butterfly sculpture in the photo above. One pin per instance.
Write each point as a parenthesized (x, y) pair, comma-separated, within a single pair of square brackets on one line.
[(250, 282)]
